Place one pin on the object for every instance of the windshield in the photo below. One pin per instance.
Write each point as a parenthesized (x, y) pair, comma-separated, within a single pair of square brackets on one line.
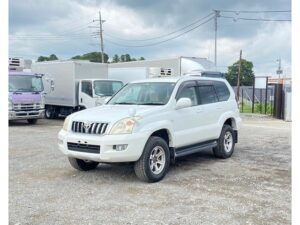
[(149, 93), (25, 83), (107, 88)]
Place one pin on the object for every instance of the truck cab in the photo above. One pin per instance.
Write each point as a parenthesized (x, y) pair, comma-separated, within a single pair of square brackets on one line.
[(26, 96), (94, 92), (88, 93)]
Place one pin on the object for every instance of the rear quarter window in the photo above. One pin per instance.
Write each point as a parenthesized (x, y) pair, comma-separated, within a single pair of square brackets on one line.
[(222, 90)]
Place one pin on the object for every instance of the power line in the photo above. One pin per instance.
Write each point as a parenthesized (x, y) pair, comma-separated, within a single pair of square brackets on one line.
[(165, 35), (256, 11), (70, 32), (160, 42), (256, 19)]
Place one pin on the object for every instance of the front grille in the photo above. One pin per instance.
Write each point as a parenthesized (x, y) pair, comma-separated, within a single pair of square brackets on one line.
[(89, 128), (25, 107), (84, 148)]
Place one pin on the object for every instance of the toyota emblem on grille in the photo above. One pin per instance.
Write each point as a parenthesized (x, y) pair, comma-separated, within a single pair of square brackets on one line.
[(86, 126)]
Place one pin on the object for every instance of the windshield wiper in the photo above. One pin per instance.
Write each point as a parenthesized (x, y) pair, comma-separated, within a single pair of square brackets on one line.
[(125, 103), (151, 103)]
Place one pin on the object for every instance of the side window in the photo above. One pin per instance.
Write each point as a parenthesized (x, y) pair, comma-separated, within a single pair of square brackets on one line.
[(222, 90), (207, 94), (116, 86), (189, 92), (86, 87)]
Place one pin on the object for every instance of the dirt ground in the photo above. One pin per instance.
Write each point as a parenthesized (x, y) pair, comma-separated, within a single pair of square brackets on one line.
[(252, 187)]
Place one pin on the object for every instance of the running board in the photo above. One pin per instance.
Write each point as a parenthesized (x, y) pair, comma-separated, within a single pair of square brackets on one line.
[(187, 150)]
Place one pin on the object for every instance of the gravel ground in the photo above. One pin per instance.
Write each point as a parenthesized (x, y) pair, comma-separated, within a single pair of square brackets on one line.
[(252, 187)]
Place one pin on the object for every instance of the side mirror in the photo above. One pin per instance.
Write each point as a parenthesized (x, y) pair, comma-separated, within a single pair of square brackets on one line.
[(50, 85), (183, 103)]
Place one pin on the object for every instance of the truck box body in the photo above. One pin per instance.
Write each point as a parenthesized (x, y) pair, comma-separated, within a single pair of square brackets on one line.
[(178, 66), (65, 75)]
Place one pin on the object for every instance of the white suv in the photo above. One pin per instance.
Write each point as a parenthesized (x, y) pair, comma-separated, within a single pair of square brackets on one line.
[(151, 123)]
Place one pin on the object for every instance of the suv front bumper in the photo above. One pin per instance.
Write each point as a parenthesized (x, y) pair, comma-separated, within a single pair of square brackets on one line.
[(24, 115), (135, 145)]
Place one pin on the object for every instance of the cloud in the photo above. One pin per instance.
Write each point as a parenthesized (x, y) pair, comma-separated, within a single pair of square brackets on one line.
[(32, 21)]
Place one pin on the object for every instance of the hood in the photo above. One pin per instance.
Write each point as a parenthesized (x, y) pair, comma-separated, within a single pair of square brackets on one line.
[(25, 97), (113, 113)]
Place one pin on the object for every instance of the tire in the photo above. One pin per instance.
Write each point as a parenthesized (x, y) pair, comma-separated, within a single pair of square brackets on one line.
[(154, 163), (225, 143), (82, 165), (49, 113), (32, 121)]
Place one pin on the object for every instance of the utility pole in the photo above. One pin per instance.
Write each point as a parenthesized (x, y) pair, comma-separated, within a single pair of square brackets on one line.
[(100, 33), (101, 36), (238, 78), (279, 70), (217, 14)]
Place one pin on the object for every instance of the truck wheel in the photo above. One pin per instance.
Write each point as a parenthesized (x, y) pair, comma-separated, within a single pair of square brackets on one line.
[(49, 113), (154, 162), (82, 165), (226, 143), (32, 121)]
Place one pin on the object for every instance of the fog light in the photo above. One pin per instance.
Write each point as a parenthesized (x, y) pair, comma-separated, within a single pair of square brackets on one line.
[(119, 147), (60, 142)]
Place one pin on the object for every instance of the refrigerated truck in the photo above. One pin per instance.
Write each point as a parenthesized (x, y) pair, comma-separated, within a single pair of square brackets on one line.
[(177, 66), (77, 85)]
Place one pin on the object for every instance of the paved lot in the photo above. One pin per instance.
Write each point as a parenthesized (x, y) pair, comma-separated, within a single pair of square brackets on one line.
[(252, 187)]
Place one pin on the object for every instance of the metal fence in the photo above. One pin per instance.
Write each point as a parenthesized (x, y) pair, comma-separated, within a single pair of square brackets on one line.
[(256, 100)]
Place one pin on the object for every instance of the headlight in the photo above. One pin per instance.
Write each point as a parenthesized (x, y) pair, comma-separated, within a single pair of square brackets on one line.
[(66, 123), (124, 126), (10, 105)]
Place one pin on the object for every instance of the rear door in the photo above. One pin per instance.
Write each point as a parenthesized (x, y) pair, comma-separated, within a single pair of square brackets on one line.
[(211, 110)]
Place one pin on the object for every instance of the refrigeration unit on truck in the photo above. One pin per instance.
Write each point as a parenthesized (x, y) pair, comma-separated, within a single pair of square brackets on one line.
[(174, 67), (77, 85), (129, 74), (26, 96)]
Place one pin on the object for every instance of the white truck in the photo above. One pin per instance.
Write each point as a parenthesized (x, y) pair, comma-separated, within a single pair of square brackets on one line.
[(129, 74), (170, 67), (77, 85)]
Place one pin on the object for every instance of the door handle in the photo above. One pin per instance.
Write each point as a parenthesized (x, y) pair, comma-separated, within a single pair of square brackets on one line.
[(81, 100)]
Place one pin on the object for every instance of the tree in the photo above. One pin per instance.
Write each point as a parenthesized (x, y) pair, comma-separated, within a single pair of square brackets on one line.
[(123, 58), (92, 57), (247, 74), (141, 58), (127, 58), (115, 58), (45, 58), (53, 57)]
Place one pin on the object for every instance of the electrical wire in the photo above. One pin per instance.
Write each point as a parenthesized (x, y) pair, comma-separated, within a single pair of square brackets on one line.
[(256, 11), (160, 42), (165, 35), (256, 19)]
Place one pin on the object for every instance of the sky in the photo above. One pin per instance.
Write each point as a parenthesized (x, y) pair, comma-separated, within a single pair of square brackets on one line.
[(66, 28)]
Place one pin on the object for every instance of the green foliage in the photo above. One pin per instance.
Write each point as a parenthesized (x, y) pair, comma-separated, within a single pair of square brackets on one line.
[(125, 58), (116, 59), (246, 107), (92, 57), (247, 74), (45, 58)]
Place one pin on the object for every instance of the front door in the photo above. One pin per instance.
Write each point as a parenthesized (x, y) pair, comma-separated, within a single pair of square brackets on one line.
[(86, 94)]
